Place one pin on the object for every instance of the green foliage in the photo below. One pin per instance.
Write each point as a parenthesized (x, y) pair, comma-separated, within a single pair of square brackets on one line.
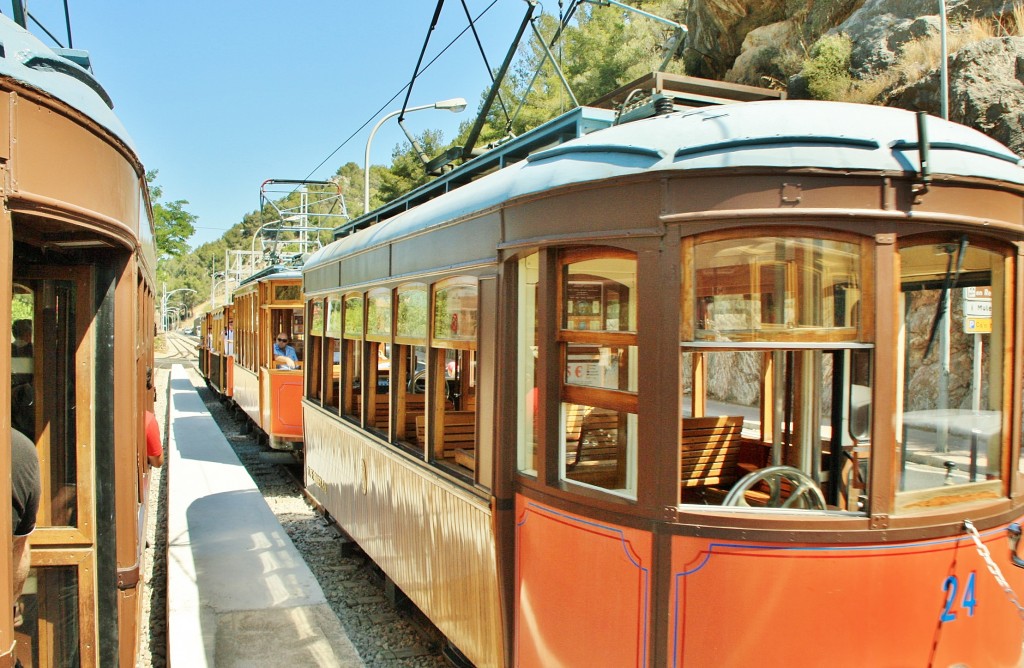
[(21, 308), (174, 225), (828, 69), (406, 171)]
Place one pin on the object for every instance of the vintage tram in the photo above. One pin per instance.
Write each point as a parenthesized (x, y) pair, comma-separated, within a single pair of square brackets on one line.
[(735, 385), (267, 306), (76, 242)]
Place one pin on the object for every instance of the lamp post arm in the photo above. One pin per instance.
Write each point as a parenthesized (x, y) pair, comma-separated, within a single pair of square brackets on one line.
[(369, 141)]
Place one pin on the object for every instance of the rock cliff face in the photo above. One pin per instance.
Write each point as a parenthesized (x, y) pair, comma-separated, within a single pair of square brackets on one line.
[(768, 43)]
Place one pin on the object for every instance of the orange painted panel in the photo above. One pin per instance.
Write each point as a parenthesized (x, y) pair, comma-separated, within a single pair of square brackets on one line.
[(285, 404), (926, 603), (583, 590)]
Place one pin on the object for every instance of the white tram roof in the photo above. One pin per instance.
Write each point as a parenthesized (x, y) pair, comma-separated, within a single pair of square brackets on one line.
[(58, 73), (790, 134)]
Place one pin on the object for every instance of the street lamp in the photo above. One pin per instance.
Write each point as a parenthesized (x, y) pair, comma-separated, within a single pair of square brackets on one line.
[(163, 304), (455, 105), (252, 250)]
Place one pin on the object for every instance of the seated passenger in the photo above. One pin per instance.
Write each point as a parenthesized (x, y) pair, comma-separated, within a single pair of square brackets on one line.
[(284, 354)]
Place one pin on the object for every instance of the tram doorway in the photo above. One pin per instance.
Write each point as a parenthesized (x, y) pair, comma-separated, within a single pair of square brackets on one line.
[(52, 398)]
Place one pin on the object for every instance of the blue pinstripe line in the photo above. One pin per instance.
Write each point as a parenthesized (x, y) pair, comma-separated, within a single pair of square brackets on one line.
[(822, 548), (622, 542)]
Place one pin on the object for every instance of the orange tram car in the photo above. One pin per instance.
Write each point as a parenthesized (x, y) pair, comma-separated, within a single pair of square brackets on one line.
[(735, 385), (77, 253), (236, 353)]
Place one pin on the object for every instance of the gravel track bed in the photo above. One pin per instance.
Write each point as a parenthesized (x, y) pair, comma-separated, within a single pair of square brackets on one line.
[(384, 635)]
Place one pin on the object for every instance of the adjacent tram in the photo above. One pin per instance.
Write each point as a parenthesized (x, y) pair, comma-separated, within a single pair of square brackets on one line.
[(76, 248), (734, 385), (266, 307)]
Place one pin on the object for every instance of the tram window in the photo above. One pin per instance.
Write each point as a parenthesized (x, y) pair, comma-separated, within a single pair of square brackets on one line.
[(952, 341), (352, 356), (23, 360), (775, 362), (597, 444), (332, 353), (50, 623), (378, 337), (526, 365), (450, 433), (289, 322), (314, 370), (409, 363)]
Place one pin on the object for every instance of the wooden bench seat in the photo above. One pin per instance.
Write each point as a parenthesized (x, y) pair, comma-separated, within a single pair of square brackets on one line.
[(709, 454), (459, 433)]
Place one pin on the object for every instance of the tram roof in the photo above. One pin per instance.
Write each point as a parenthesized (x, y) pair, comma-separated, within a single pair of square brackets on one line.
[(274, 271), (789, 134), (58, 73)]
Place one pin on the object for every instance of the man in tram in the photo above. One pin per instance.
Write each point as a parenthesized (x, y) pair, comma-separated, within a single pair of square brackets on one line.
[(284, 354)]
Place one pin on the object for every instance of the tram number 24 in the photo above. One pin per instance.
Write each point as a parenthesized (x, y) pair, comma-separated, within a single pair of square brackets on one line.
[(954, 599)]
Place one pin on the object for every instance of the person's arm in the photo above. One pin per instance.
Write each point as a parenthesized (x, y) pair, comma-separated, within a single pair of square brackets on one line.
[(22, 562)]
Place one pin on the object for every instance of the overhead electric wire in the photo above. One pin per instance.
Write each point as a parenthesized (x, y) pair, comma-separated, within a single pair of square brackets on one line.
[(416, 70), (400, 91)]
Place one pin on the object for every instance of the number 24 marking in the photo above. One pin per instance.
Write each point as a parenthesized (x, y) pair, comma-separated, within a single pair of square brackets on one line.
[(952, 587)]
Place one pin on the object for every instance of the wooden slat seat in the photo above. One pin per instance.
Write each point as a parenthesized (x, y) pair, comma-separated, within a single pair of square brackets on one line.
[(710, 452), (459, 432)]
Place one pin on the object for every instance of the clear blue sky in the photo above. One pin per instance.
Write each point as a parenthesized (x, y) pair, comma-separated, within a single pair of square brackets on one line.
[(220, 95)]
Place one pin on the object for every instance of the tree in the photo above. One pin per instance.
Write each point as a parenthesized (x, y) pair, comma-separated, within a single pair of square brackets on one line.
[(174, 225)]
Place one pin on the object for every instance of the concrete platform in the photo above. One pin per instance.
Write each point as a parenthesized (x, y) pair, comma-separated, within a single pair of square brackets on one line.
[(238, 592)]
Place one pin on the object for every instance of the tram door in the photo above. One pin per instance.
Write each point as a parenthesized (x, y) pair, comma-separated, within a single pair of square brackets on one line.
[(51, 403)]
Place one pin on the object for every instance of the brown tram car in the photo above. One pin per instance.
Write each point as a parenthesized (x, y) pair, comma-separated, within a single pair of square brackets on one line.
[(76, 248), (696, 354)]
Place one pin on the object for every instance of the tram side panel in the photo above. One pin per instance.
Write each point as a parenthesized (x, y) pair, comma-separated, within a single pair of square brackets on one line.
[(432, 538)]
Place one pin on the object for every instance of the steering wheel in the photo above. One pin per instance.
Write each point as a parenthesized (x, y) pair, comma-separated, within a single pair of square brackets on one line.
[(805, 493)]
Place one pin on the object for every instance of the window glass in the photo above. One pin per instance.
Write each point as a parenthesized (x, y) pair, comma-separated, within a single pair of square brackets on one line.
[(378, 315), (353, 315), (448, 430), (412, 313), (287, 293), (598, 437), (409, 370), (314, 371), (333, 324), (776, 289), (952, 341), (48, 610), (455, 304), (775, 384), (526, 364), (316, 324)]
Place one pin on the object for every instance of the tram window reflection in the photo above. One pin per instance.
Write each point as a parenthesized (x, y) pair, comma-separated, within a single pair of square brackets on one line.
[(526, 372), (952, 349), (46, 618), (23, 360), (351, 358)]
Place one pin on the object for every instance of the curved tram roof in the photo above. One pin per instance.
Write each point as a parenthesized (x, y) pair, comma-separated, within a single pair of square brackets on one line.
[(58, 73), (790, 135)]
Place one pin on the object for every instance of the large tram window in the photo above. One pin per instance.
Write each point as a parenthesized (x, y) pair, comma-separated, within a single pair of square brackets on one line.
[(526, 365), (332, 354), (450, 433), (378, 337), (774, 362), (951, 342), (409, 363), (314, 361), (46, 621), (597, 333), (290, 323), (352, 357)]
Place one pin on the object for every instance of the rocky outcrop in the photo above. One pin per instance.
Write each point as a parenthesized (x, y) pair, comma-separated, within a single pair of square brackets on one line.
[(986, 90), (717, 29)]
